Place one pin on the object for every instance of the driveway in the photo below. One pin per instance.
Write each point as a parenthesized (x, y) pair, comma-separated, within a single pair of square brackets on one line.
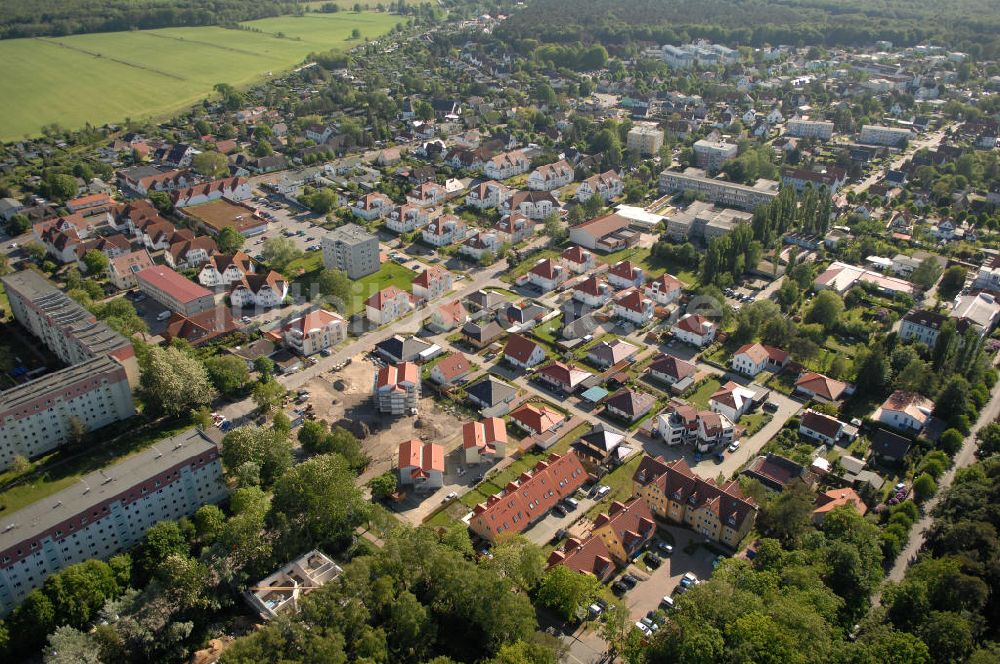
[(543, 531), (647, 594)]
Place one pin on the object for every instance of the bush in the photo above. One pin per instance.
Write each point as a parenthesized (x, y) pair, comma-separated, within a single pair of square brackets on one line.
[(924, 487)]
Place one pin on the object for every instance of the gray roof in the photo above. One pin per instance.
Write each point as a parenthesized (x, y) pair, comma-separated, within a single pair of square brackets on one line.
[(491, 391), (26, 392), (350, 234), (102, 485), (404, 349)]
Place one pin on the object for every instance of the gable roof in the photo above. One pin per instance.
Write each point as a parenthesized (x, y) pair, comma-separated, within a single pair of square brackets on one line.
[(672, 366), (453, 366), (537, 417), (631, 402), (591, 556), (820, 423), (614, 351), (484, 434), (520, 348), (820, 385), (679, 483)]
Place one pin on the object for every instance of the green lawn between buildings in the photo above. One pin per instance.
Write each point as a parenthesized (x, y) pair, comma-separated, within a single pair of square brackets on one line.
[(108, 77)]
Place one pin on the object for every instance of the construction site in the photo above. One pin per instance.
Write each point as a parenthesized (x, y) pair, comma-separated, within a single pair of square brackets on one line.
[(343, 398)]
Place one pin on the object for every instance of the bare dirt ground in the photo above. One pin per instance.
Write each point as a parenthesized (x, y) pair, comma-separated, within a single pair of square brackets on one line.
[(344, 398)]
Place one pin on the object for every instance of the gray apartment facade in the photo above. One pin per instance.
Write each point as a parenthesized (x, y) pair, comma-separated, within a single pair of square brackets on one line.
[(352, 249)]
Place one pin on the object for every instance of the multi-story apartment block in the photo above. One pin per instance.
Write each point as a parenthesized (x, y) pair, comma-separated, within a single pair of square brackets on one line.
[(387, 305), (432, 283), (925, 326), (645, 139), (711, 155), (721, 513), (799, 128), (879, 135), (93, 392), (372, 206), (352, 249), (699, 53), (107, 511), (532, 204), (259, 291), (225, 270), (397, 388), (729, 194)]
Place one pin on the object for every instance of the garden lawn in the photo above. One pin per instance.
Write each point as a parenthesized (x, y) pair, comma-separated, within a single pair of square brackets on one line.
[(701, 395)]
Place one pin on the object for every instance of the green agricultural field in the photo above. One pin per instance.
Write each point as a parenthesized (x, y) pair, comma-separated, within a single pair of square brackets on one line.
[(107, 77)]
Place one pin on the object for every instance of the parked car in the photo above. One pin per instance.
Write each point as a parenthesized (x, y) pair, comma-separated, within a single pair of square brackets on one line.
[(667, 602), (629, 581), (559, 510), (665, 549), (770, 406), (733, 446), (602, 490), (689, 580), (619, 588), (450, 497), (571, 503), (642, 628), (653, 561)]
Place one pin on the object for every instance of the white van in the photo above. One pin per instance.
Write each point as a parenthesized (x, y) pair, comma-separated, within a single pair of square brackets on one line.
[(667, 602), (163, 315)]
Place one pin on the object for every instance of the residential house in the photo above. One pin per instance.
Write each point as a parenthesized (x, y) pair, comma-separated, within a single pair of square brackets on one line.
[(732, 400), (665, 289), (491, 396), (562, 377), (694, 329), (421, 465), (479, 244), (451, 369), (625, 529), (607, 185), (547, 275), (200, 328), (397, 388), (432, 283), (314, 332), (532, 204), (122, 269), (261, 291), (551, 176), (578, 259), (589, 556), (387, 305), (888, 447), (624, 274), (629, 405), (372, 206), (523, 352), (406, 218), (673, 371), (593, 291), (633, 306), (924, 326), (529, 498), (399, 348), (233, 189), (609, 353), (190, 253), (506, 165), (703, 429), (673, 491), (536, 418), (776, 472), (486, 301), (515, 228), (821, 388), (602, 449), (905, 411), (818, 426), (485, 440), (830, 500), (751, 359), (445, 230), (481, 334), (523, 315), (427, 194), (225, 270), (448, 316)]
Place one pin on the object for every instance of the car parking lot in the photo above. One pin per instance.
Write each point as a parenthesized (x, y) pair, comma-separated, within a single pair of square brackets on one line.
[(653, 585), (285, 219)]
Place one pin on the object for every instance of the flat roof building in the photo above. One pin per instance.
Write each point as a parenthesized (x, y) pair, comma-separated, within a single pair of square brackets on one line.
[(95, 390), (722, 192), (352, 249), (107, 511)]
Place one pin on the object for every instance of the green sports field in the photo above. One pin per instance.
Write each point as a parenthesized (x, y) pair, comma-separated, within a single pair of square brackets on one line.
[(108, 77)]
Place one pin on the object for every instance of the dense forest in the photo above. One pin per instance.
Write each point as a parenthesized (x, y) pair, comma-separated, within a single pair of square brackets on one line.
[(968, 25), (32, 18)]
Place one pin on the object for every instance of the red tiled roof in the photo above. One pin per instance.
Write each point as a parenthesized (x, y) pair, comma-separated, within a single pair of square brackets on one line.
[(820, 423), (820, 385), (378, 300), (484, 434), (172, 283), (834, 498), (588, 557), (529, 497), (537, 418), (392, 375), (576, 254), (520, 348), (424, 456), (453, 366)]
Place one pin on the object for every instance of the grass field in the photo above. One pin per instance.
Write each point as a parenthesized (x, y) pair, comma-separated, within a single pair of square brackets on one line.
[(108, 77)]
